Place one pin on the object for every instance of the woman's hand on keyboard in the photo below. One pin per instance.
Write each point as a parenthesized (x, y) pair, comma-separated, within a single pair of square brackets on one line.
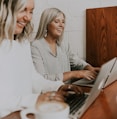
[(70, 89)]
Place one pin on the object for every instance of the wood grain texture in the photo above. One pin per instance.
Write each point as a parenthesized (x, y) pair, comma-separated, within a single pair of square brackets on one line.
[(105, 106), (101, 35)]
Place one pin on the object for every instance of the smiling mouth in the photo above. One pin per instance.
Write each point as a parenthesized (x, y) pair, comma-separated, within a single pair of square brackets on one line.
[(21, 24), (59, 31)]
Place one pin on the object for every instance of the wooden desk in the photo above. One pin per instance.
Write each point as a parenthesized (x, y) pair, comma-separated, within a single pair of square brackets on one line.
[(104, 107)]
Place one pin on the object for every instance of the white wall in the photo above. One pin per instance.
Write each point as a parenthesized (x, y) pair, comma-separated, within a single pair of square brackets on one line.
[(75, 31)]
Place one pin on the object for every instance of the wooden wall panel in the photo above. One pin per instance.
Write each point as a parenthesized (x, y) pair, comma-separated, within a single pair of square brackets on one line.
[(101, 35)]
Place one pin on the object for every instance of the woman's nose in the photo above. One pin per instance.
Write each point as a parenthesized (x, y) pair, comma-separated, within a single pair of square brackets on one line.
[(28, 17), (61, 24)]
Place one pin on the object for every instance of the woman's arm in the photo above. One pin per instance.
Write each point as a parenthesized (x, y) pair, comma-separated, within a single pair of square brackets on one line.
[(79, 67), (40, 84)]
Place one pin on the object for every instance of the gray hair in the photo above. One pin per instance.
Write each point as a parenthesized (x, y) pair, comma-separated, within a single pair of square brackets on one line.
[(46, 18), (8, 14)]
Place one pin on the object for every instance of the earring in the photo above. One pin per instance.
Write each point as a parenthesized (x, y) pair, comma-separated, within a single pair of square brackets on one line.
[(45, 33)]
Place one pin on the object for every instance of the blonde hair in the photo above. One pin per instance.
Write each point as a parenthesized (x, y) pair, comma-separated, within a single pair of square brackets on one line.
[(8, 13), (46, 18)]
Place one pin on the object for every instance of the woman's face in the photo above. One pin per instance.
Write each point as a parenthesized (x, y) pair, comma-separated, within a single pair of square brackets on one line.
[(24, 16), (56, 27)]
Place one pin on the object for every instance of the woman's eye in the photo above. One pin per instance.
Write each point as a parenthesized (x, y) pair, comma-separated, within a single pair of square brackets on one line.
[(56, 21), (63, 22), (31, 11), (23, 11)]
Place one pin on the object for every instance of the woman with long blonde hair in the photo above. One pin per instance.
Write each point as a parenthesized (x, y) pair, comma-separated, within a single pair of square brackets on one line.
[(20, 84)]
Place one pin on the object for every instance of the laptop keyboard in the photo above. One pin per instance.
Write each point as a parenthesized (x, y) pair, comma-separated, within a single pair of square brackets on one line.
[(75, 102)]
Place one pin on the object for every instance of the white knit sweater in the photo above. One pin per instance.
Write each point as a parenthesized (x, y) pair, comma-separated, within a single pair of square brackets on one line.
[(20, 84)]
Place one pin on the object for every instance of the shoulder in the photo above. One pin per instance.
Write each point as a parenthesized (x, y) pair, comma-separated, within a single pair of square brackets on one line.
[(36, 42), (64, 46)]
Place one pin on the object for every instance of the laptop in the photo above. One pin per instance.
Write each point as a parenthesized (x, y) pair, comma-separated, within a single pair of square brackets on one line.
[(108, 70), (111, 71), (113, 74)]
